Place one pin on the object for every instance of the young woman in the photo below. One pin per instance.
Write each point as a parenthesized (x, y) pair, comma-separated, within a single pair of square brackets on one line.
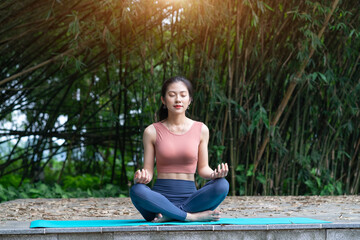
[(180, 146)]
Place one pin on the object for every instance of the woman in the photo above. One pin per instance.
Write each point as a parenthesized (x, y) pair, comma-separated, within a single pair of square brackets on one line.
[(179, 145)]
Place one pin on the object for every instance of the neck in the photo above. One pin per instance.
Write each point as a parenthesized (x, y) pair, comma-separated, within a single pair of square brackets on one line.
[(176, 119)]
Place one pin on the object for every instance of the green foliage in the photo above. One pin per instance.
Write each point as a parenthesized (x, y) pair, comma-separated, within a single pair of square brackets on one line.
[(217, 152), (82, 182), (41, 190), (241, 178), (10, 180), (99, 66), (319, 185)]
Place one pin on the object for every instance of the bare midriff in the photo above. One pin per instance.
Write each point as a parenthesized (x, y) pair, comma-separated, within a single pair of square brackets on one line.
[(177, 176)]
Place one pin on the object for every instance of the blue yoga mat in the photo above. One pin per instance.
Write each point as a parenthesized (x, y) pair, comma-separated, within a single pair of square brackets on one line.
[(138, 222)]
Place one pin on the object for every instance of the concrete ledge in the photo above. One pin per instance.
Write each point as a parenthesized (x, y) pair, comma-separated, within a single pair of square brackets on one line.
[(286, 235), (300, 234), (181, 228), (354, 225), (343, 234), (180, 234)]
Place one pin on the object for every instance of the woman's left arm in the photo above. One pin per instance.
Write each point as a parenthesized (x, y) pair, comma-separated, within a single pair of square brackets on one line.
[(203, 164)]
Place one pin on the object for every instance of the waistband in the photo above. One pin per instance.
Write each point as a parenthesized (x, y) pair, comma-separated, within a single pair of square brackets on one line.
[(174, 186)]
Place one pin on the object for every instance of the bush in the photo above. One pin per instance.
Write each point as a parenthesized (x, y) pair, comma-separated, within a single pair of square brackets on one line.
[(42, 190)]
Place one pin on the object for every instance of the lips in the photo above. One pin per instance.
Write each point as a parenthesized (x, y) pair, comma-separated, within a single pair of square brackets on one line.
[(178, 106)]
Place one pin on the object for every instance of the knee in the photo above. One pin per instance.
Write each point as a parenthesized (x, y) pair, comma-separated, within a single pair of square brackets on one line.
[(137, 190), (221, 186)]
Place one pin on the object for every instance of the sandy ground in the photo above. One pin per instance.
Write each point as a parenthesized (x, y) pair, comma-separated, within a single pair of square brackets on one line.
[(331, 208)]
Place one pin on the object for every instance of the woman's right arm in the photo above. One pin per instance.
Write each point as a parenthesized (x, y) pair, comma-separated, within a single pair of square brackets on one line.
[(146, 174)]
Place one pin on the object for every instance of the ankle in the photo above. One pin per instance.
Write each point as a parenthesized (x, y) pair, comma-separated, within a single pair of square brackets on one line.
[(189, 217)]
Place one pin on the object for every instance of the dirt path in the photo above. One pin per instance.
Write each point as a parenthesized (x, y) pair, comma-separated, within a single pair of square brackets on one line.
[(332, 208)]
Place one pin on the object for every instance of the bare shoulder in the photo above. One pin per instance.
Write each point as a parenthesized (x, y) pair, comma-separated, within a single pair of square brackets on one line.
[(204, 132), (150, 133)]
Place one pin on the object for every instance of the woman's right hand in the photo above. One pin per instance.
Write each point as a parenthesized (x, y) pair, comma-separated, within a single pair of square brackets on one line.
[(142, 176), (221, 171)]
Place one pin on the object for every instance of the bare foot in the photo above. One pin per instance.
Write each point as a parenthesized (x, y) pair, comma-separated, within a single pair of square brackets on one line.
[(206, 216), (160, 218)]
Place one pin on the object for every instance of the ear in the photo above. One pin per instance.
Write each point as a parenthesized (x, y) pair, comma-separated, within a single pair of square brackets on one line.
[(162, 100)]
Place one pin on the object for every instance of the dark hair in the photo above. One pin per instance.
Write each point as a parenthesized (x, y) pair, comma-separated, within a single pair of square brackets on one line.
[(163, 112)]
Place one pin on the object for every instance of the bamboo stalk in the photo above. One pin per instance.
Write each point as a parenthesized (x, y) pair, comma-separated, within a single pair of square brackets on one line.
[(292, 86), (53, 59)]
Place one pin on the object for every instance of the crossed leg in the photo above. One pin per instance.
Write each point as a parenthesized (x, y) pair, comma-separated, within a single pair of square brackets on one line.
[(200, 206), (208, 197), (149, 203)]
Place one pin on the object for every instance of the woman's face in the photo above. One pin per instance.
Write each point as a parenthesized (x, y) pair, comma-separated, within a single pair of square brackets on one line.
[(176, 98)]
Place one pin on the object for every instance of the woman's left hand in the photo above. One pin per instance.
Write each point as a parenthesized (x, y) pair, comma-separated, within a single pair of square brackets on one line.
[(221, 171)]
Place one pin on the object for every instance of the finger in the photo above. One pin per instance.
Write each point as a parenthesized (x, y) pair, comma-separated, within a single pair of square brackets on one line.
[(226, 169), (144, 174), (137, 173), (138, 176), (222, 169), (216, 173), (147, 180), (219, 168), (213, 175)]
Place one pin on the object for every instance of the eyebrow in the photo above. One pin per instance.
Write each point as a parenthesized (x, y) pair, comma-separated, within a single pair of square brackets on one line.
[(175, 91)]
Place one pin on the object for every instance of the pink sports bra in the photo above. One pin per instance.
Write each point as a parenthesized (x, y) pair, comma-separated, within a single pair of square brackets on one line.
[(177, 153)]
